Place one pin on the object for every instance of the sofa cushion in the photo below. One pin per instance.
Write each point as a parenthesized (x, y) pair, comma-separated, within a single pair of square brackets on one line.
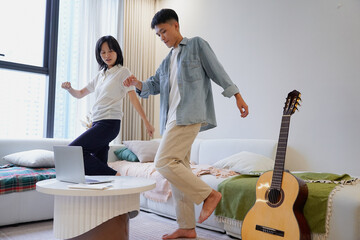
[(213, 150), (32, 158), (144, 150), (246, 162), (125, 154)]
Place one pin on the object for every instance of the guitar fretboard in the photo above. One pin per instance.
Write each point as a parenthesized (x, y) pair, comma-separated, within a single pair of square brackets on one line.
[(281, 153)]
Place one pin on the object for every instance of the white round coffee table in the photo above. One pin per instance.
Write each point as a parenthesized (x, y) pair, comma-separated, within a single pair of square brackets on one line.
[(89, 213)]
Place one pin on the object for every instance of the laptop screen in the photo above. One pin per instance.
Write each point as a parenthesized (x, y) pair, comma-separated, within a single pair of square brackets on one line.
[(69, 164)]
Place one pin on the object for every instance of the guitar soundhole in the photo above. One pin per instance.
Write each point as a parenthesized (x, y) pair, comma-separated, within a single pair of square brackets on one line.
[(274, 197)]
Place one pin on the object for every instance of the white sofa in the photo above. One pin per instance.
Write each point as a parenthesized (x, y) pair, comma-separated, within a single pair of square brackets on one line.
[(33, 206), (344, 215), (27, 206)]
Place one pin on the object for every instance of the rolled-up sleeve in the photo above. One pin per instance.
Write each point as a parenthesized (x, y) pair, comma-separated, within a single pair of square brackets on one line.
[(230, 91), (151, 86), (144, 93)]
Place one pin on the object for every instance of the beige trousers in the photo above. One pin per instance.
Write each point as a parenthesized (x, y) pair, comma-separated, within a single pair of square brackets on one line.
[(173, 162)]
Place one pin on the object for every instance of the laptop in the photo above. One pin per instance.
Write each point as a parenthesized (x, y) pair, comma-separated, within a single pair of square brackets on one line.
[(69, 165)]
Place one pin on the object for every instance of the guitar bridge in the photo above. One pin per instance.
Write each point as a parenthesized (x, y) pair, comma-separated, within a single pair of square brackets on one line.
[(270, 230)]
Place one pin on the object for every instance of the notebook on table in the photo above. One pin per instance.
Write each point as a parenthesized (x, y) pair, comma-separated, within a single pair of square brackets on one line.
[(69, 165)]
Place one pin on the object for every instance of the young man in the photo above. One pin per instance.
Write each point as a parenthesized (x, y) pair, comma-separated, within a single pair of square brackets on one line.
[(186, 107)]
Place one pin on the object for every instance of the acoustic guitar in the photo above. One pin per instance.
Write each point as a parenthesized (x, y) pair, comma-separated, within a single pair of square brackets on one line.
[(280, 196)]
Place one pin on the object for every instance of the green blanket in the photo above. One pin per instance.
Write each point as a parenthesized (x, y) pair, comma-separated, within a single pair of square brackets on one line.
[(239, 196)]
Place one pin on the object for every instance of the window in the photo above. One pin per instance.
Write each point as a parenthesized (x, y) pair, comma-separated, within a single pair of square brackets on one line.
[(24, 31), (35, 59), (27, 67), (22, 98)]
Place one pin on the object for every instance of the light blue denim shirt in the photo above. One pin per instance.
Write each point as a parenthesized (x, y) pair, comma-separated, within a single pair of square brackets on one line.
[(197, 64)]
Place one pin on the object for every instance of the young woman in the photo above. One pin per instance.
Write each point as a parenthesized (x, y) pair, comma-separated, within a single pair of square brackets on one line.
[(106, 112)]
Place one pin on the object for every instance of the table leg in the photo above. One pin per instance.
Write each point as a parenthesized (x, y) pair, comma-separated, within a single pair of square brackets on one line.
[(116, 228)]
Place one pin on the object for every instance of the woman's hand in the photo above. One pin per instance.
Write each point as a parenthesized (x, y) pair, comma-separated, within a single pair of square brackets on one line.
[(136, 103), (150, 129), (66, 85), (75, 93)]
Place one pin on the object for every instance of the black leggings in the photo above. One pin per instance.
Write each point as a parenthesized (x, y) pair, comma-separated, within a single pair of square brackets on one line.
[(95, 143)]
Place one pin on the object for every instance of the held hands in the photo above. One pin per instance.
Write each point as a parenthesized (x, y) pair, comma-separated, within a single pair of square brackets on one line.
[(66, 85), (242, 106), (132, 81)]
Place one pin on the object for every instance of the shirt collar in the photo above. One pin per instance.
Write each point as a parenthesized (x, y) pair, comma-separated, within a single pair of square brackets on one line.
[(184, 41), (111, 70)]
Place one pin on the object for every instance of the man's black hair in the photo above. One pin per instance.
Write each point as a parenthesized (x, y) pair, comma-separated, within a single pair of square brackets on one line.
[(163, 16), (113, 45)]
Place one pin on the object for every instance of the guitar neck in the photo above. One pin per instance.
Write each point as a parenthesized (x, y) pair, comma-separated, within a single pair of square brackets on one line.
[(281, 153)]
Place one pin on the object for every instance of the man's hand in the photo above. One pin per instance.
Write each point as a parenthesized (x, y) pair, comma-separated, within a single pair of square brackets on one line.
[(242, 106), (132, 81)]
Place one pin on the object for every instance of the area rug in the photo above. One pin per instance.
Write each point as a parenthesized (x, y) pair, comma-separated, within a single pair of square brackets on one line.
[(146, 226)]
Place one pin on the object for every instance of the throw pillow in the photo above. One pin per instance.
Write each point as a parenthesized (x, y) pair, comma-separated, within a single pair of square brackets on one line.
[(125, 154), (144, 150), (32, 158), (246, 162)]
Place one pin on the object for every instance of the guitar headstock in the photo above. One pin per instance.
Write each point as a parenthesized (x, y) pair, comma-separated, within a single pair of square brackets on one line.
[(292, 102)]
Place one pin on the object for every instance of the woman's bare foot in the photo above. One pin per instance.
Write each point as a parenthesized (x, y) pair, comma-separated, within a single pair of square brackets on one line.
[(209, 205), (117, 174), (181, 233)]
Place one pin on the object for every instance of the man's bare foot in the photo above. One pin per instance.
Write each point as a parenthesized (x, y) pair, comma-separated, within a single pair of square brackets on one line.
[(209, 205), (181, 233), (117, 174)]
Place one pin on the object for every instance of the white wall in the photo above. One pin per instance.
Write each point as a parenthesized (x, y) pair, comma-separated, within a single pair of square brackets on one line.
[(269, 48)]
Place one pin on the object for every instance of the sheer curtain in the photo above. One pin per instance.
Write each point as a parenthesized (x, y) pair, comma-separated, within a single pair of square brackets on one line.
[(81, 24), (139, 57)]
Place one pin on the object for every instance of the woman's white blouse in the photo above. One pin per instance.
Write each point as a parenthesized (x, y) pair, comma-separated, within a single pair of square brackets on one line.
[(109, 93)]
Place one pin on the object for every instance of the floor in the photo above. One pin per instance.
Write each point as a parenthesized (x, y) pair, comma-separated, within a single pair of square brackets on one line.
[(146, 226)]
